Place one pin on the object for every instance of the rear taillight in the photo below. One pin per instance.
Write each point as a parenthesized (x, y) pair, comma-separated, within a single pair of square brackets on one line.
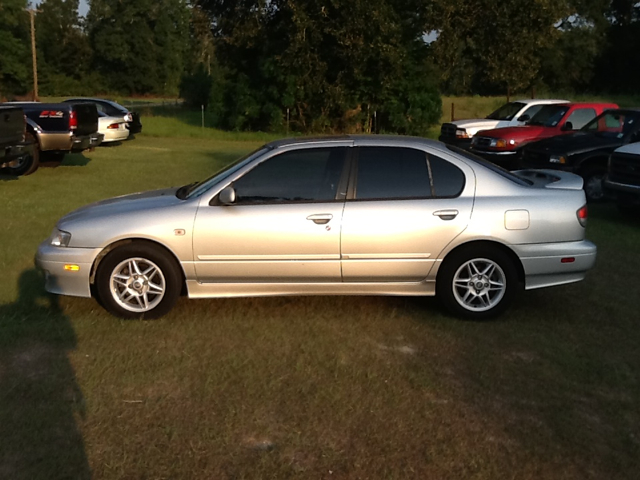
[(73, 120), (582, 214), (114, 126)]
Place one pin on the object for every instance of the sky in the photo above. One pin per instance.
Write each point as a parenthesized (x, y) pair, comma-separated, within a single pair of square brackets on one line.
[(83, 8)]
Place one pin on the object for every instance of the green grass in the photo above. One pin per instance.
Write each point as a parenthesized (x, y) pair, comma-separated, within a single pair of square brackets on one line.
[(308, 387)]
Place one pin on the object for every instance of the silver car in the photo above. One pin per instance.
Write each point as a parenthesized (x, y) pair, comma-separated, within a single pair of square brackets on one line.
[(351, 215)]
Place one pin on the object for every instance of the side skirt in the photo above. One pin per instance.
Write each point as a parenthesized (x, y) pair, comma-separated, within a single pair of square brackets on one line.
[(220, 290)]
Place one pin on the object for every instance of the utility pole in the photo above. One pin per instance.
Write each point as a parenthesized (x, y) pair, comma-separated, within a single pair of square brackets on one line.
[(32, 12)]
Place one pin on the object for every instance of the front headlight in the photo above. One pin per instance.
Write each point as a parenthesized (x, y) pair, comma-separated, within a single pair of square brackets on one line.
[(60, 238), (557, 159), (461, 133)]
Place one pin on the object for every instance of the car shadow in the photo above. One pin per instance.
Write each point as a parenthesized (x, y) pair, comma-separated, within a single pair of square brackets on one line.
[(7, 178), (39, 397)]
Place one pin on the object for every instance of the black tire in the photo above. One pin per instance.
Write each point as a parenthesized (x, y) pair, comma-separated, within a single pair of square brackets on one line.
[(593, 178), (146, 293), (467, 293), (29, 163)]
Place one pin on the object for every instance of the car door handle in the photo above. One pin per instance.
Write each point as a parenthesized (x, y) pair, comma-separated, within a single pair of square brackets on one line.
[(320, 218), (446, 214)]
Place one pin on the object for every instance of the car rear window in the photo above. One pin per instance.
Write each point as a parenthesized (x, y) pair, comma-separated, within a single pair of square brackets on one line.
[(491, 166)]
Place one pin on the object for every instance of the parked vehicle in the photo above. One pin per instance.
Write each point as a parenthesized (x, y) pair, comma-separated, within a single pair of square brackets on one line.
[(16, 147), (114, 129), (460, 132), (501, 145), (587, 151), (60, 128), (114, 109), (622, 182), (357, 215)]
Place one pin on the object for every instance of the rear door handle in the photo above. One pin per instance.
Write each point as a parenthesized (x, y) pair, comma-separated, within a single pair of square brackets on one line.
[(446, 214), (320, 218)]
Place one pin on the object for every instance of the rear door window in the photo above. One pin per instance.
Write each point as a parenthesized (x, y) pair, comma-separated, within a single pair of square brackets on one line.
[(404, 173)]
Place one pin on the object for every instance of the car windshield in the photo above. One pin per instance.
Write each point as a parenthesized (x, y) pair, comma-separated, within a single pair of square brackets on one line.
[(198, 188), (491, 166), (613, 124), (506, 112), (549, 115)]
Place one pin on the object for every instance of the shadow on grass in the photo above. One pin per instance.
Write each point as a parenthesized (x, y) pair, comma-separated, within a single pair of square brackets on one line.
[(7, 178), (39, 397)]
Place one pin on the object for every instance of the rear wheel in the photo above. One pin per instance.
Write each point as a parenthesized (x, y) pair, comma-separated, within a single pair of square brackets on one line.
[(477, 282), (138, 280), (27, 164)]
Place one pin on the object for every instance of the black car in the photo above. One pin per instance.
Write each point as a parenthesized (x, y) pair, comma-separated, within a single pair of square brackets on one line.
[(587, 151), (114, 109)]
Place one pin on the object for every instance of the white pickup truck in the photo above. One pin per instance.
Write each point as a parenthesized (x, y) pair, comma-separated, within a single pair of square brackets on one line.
[(512, 114)]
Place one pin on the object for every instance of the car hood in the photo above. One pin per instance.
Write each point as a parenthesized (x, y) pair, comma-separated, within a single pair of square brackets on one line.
[(520, 133), (472, 126), (575, 143), (126, 204)]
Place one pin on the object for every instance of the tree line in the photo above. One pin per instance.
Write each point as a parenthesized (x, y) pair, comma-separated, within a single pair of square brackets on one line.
[(321, 65)]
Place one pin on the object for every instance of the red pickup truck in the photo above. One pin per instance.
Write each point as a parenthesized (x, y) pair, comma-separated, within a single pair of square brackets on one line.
[(501, 145)]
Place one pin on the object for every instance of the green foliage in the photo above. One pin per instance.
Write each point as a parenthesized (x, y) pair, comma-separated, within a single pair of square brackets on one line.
[(140, 46), (330, 64), (15, 55)]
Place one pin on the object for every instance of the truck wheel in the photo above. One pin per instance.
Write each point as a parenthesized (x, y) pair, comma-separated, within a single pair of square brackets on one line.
[(138, 280), (477, 282), (593, 178), (27, 164)]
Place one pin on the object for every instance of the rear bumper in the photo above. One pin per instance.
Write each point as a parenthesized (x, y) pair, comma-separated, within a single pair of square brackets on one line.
[(52, 260), (68, 142), (544, 267)]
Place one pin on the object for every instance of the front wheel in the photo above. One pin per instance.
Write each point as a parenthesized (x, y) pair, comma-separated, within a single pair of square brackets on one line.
[(138, 280), (477, 282), (593, 179)]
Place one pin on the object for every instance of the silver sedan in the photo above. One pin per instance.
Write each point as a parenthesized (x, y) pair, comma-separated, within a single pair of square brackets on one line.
[(351, 215)]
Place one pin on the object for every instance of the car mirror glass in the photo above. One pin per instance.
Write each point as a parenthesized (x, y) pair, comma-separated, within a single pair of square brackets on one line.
[(524, 118)]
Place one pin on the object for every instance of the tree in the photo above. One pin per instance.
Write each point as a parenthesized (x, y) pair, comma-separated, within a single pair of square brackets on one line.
[(15, 56), (139, 47), (494, 45), (64, 53), (331, 63)]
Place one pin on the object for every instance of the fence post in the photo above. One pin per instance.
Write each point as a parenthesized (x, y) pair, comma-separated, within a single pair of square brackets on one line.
[(202, 107), (287, 120), (453, 111)]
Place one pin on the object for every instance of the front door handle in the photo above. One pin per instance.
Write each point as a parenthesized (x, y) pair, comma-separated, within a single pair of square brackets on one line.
[(320, 218), (446, 214)]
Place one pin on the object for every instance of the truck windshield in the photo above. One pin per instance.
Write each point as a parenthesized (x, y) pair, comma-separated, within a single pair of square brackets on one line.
[(506, 112), (613, 124), (549, 115)]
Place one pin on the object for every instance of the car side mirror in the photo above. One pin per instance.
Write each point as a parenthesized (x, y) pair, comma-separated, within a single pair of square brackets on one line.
[(524, 118), (567, 126), (227, 196)]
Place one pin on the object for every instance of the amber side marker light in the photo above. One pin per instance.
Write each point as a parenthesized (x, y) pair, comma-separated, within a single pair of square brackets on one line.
[(72, 268)]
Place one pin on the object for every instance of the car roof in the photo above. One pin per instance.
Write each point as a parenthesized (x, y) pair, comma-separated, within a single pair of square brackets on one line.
[(360, 139), (527, 101)]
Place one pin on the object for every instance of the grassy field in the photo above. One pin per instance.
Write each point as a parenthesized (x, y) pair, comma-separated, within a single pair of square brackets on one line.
[(309, 387)]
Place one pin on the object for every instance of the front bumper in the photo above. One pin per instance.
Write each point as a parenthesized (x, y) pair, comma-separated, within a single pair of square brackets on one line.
[(622, 193), (464, 143), (543, 265), (52, 261), (15, 152)]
